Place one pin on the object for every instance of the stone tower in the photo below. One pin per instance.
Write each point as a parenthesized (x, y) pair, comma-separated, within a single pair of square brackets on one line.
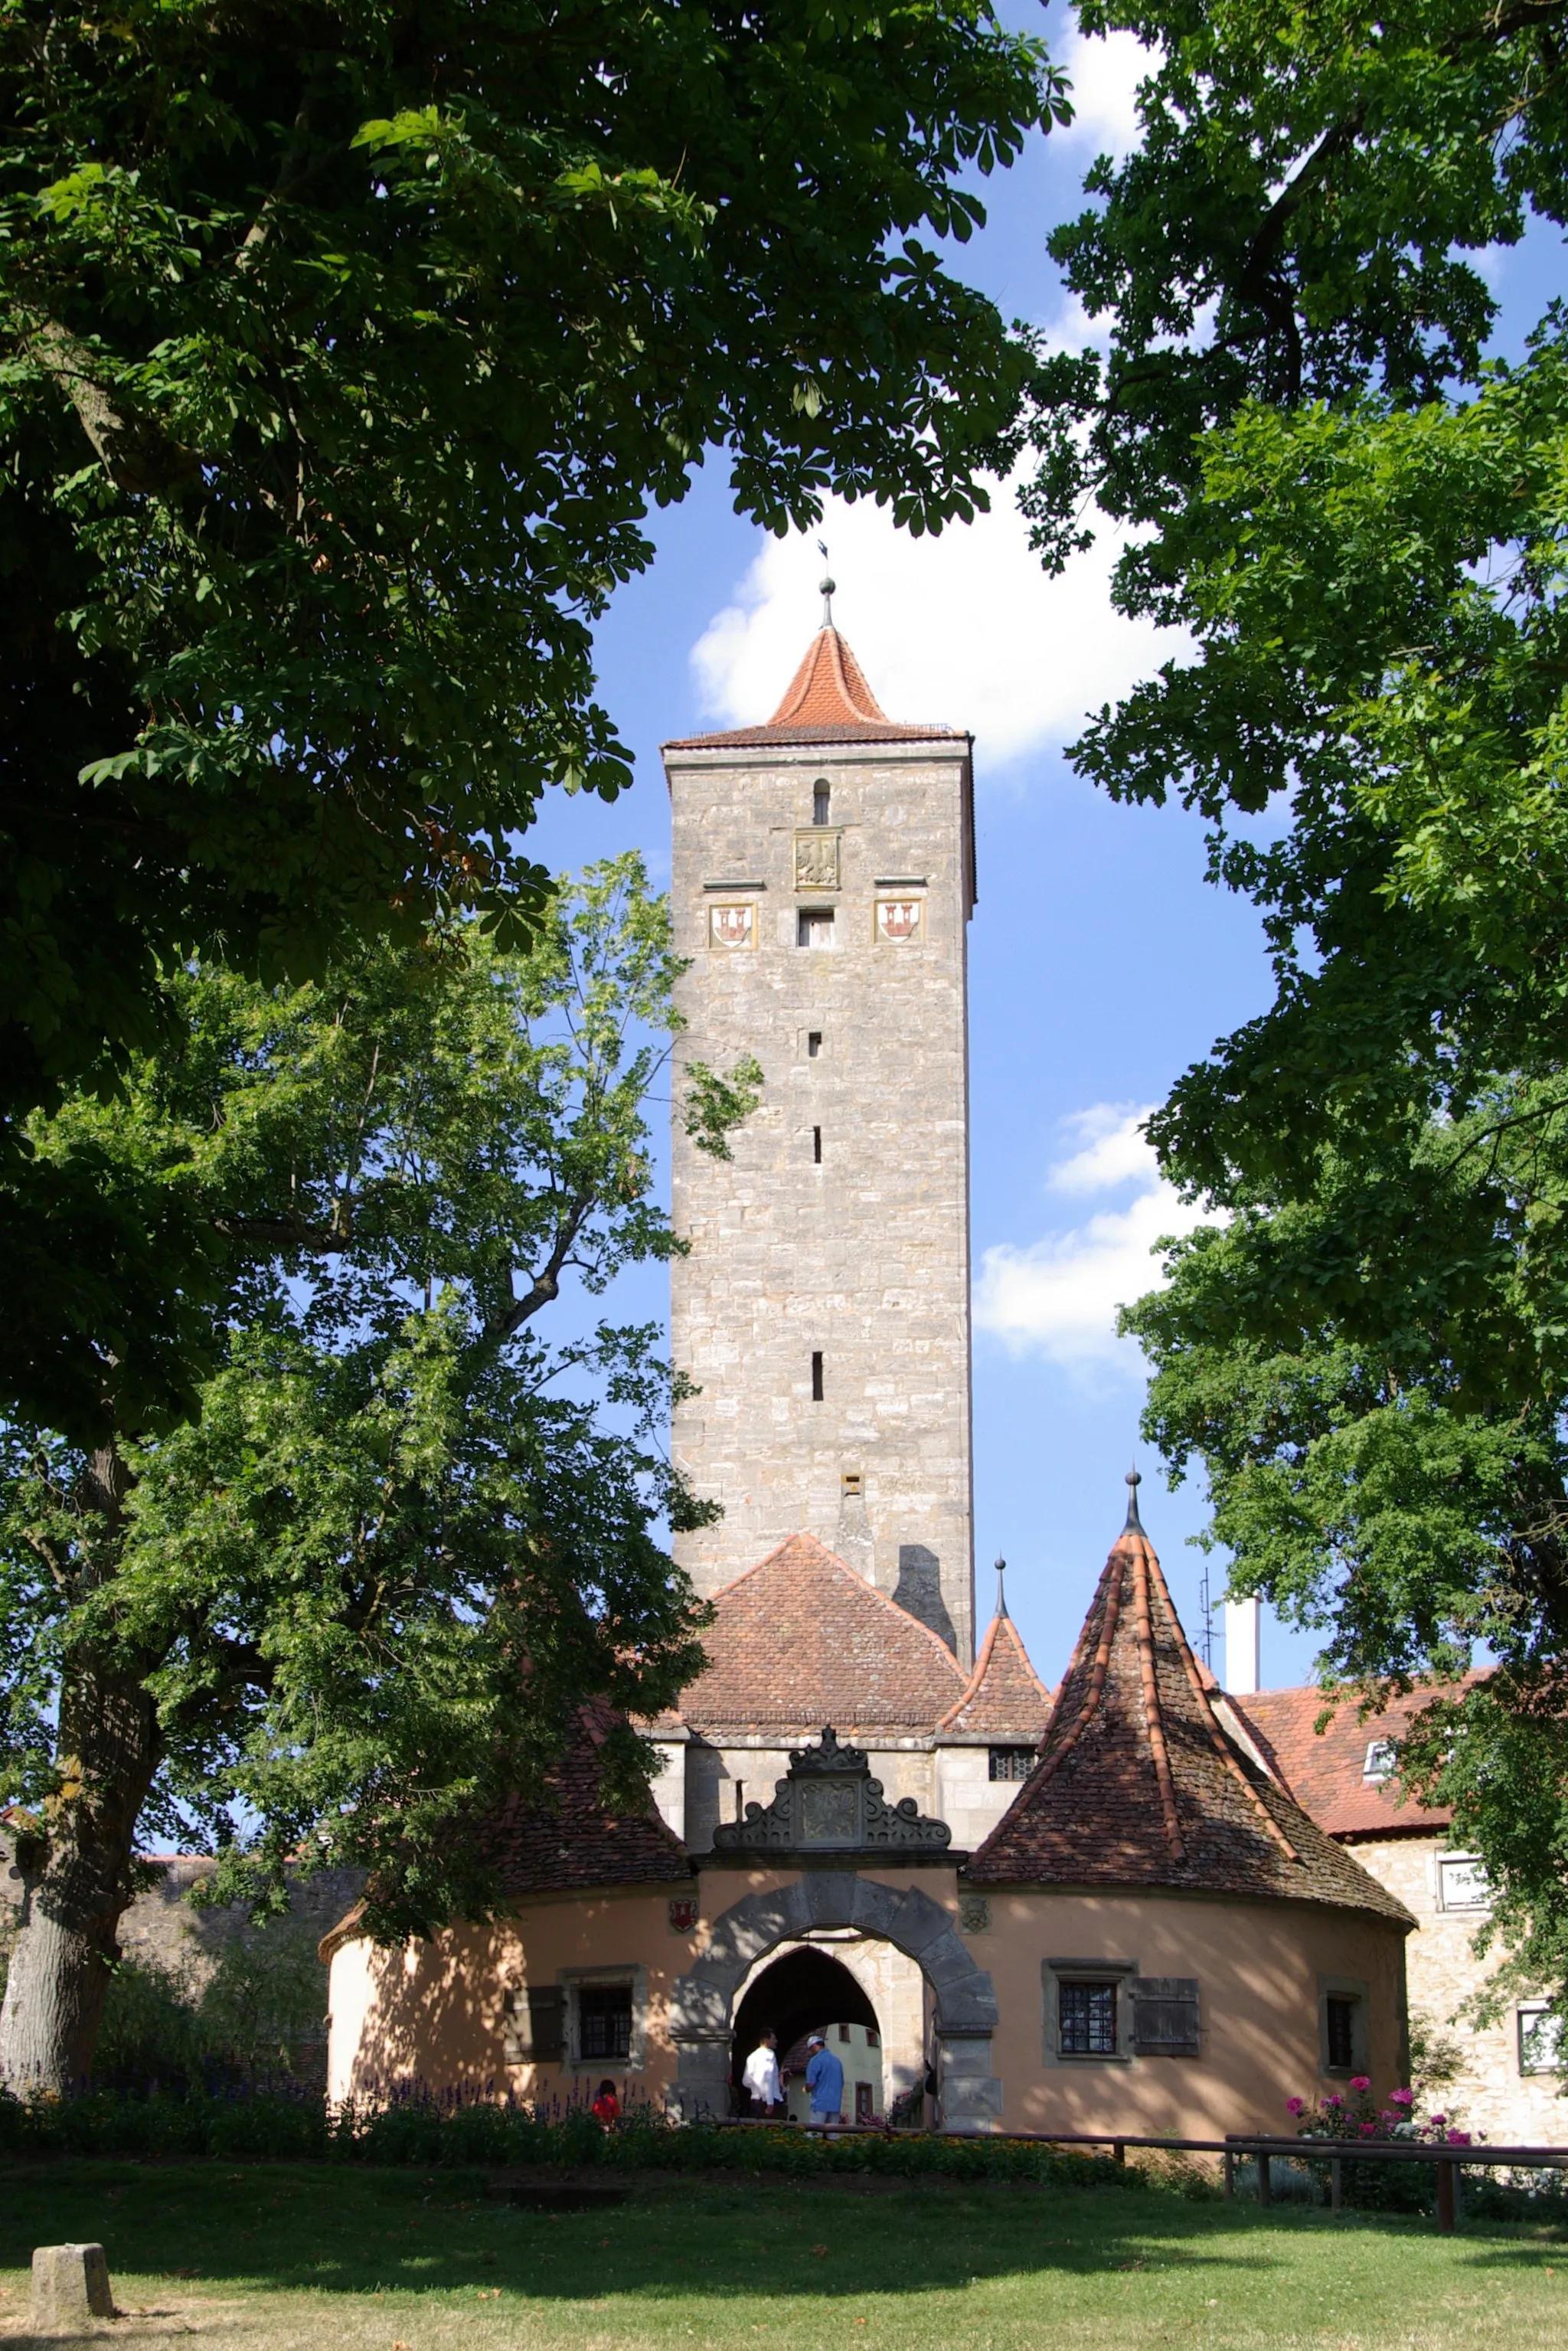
[(823, 875)]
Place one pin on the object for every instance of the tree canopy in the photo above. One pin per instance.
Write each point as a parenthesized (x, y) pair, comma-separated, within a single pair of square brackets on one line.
[(345, 353), (364, 1595), (1359, 519)]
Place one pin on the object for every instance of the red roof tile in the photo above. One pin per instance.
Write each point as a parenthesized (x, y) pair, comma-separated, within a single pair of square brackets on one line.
[(1006, 1698), (1137, 1784), (829, 701), (573, 1838), (801, 1640), (1327, 1773)]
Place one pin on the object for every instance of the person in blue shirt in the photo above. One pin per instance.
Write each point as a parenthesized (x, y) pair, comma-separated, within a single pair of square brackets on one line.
[(825, 2082)]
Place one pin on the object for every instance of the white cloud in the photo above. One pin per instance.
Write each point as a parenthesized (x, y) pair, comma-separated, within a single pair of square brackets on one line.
[(1059, 1296), (965, 628), (1111, 1150), (1105, 72)]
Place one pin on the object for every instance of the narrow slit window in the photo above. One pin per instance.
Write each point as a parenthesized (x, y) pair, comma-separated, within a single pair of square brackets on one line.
[(817, 1376), (813, 1043), (1339, 2033), (821, 801), (817, 1145)]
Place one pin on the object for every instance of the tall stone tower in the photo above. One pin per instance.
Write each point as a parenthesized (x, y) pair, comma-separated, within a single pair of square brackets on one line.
[(823, 876)]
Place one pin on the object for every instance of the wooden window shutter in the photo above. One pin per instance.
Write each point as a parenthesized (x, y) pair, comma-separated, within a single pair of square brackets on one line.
[(536, 2026), (1164, 2016)]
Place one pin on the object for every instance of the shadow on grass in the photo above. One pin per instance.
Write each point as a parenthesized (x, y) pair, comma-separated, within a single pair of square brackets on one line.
[(334, 2229)]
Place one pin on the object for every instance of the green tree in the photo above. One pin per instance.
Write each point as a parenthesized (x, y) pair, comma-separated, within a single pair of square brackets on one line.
[(345, 351), (1361, 526), (367, 1590)]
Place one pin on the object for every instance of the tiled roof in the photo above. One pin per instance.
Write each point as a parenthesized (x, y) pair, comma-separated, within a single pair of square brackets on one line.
[(1326, 1774), (1139, 1785), (1006, 1698), (572, 1839), (801, 1640), (829, 701)]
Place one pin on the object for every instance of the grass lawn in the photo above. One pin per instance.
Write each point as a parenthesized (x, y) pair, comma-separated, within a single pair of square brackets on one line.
[(284, 2257)]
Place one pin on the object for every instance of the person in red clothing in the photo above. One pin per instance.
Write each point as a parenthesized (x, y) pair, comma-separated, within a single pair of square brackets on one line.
[(607, 2105)]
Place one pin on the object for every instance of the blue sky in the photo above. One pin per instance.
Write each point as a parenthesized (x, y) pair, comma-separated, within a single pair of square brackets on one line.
[(1101, 963)]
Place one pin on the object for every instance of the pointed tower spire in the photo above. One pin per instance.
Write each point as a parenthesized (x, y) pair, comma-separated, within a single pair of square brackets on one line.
[(1134, 1525), (1137, 1781)]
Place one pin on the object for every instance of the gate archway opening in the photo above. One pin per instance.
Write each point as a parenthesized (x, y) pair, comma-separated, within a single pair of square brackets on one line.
[(807, 1991)]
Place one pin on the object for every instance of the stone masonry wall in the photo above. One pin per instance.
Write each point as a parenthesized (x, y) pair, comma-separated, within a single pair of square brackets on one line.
[(1491, 2094), (861, 1255)]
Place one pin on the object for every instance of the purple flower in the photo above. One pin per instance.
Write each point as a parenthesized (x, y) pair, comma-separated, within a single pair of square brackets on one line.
[(1295, 2105), (1438, 2120), (1331, 2101), (1360, 2081), (1459, 2138), (1401, 2098)]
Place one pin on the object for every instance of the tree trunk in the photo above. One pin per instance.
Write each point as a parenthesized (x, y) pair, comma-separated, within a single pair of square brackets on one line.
[(76, 1869)]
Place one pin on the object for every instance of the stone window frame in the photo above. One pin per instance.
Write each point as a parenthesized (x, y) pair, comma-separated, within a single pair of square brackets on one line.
[(1529, 2013), (571, 1980), (1352, 1988), (1053, 1974), (806, 916), (1456, 1909)]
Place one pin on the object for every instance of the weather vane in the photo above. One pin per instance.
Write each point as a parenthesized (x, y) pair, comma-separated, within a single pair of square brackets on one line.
[(827, 585)]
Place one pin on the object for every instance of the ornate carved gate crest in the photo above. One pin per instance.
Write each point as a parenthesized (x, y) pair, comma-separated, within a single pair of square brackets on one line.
[(828, 1803)]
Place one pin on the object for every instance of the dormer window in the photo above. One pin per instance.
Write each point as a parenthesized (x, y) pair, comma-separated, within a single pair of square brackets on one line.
[(1379, 1763)]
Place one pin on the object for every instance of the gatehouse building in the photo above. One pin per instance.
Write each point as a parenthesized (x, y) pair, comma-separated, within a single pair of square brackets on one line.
[(1101, 1909)]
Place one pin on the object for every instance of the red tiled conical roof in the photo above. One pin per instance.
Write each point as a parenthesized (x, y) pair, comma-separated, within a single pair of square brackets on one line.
[(829, 701), (1137, 1784), (1006, 1698), (829, 689), (801, 1640)]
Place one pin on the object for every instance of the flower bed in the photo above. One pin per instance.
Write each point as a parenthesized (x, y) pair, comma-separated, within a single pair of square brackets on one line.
[(417, 2128)]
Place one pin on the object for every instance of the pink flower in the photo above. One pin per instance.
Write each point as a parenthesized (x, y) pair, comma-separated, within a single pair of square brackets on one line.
[(1295, 2105), (1360, 2081), (1401, 2098), (1368, 2130), (1438, 2120), (1459, 2138)]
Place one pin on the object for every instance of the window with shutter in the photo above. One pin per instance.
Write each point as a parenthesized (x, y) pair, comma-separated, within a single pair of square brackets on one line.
[(1164, 2016)]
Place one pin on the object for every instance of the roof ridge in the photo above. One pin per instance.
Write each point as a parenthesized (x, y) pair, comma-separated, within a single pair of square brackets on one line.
[(1050, 1761), (1206, 1707), (983, 1664), (1149, 1691)]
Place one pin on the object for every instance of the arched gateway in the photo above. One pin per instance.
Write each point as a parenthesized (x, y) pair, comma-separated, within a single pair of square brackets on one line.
[(835, 1842)]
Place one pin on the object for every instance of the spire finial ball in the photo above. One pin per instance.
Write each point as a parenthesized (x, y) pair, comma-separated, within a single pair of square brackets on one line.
[(1134, 1521)]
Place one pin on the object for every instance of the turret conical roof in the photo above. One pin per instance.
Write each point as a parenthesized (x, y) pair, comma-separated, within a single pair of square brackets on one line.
[(828, 701), (1138, 1784)]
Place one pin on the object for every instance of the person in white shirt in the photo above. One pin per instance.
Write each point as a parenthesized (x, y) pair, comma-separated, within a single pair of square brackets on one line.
[(760, 2080)]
